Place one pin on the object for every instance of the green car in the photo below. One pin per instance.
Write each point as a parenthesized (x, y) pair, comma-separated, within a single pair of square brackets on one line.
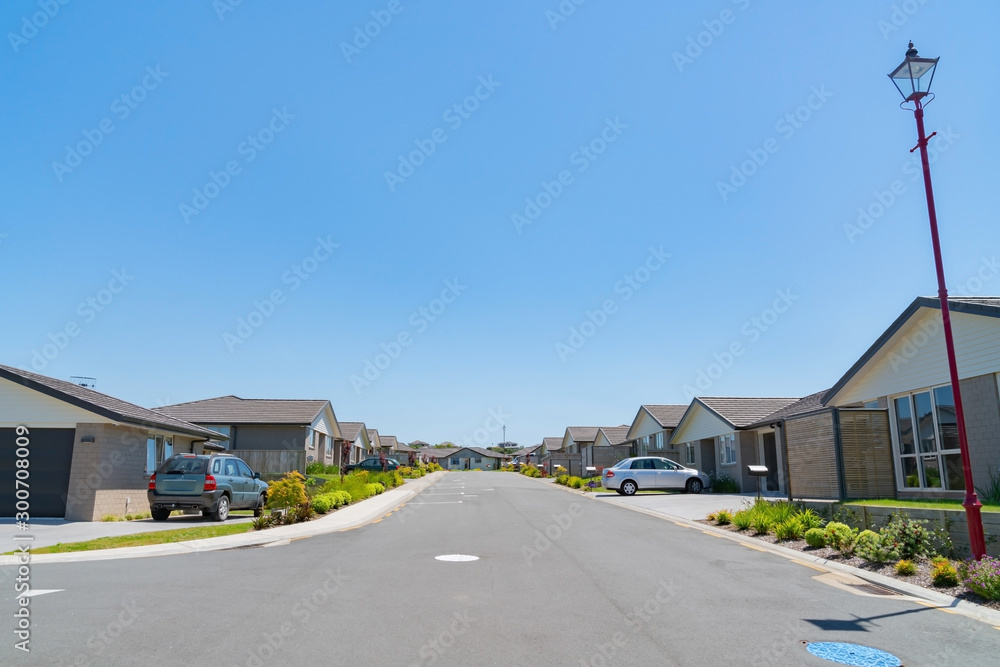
[(212, 483), (373, 464)]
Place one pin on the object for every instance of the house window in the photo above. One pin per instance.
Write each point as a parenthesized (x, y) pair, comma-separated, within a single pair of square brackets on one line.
[(158, 450), (658, 440), (224, 430), (329, 447), (320, 441), (727, 449), (479, 459), (689, 454), (454, 462), (312, 440), (927, 440)]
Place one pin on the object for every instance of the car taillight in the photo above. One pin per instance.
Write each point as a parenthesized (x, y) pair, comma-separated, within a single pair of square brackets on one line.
[(152, 482), (210, 483), (609, 473)]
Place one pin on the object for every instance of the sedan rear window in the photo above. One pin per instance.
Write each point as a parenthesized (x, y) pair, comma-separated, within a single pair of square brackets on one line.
[(184, 465)]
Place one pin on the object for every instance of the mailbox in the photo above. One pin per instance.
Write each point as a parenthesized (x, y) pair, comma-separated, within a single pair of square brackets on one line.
[(757, 471)]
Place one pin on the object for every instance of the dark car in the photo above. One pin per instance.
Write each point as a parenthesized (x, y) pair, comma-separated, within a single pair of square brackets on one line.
[(212, 483), (373, 464)]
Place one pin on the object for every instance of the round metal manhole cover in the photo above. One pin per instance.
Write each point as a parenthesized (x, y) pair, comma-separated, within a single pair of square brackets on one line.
[(853, 654), (457, 558)]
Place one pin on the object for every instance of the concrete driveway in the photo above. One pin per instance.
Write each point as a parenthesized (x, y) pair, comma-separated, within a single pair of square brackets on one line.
[(682, 505)]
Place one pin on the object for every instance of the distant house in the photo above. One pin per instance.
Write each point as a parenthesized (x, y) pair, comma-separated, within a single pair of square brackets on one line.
[(713, 437), (356, 434), (651, 429), (526, 454), (268, 425), (376, 441), (468, 458), (611, 446), (580, 440), (90, 454)]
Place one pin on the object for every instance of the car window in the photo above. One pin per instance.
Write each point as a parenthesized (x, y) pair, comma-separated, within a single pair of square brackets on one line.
[(231, 469), (244, 468), (624, 463), (217, 467), (664, 464), (642, 464), (190, 465), (659, 464)]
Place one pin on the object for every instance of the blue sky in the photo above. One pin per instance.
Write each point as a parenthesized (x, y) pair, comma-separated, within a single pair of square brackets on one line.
[(520, 208)]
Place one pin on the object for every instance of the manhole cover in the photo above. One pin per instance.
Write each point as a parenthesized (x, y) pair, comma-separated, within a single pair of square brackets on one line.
[(853, 654), (456, 558), (873, 589)]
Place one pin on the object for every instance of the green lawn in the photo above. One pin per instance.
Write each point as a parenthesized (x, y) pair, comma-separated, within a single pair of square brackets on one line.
[(143, 539), (930, 504)]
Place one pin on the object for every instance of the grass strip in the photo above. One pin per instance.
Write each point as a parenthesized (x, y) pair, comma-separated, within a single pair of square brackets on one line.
[(145, 539)]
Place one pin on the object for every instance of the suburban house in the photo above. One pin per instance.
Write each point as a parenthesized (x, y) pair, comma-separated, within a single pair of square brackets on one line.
[(527, 454), (611, 446), (551, 454), (904, 374), (376, 441), (271, 435), (713, 437), (651, 429), (90, 455), (580, 440), (468, 458), (356, 434)]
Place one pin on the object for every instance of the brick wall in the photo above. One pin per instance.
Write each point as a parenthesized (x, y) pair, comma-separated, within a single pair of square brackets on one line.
[(106, 472)]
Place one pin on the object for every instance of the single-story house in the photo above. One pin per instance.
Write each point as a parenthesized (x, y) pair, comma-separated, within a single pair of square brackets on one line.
[(651, 429), (467, 458), (905, 373), (376, 441), (527, 454), (271, 435), (580, 440), (713, 437), (90, 455), (356, 434), (611, 446)]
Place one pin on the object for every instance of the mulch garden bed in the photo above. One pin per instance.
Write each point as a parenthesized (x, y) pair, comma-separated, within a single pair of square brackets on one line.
[(921, 578)]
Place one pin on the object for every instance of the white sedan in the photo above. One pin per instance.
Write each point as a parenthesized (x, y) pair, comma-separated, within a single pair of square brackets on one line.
[(652, 472)]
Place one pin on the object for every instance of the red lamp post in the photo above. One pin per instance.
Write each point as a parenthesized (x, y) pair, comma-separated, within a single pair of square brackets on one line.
[(913, 80)]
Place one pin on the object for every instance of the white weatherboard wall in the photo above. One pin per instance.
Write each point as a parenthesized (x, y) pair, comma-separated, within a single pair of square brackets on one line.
[(644, 424), (700, 423), (326, 423), (20, 405), (915, 356)]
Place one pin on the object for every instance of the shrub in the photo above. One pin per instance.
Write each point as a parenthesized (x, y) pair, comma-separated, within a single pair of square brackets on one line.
[(315, 469), (530, 471), (575, 482), (289, 491), (302, 512), (433, 467), (809, 519), (943, 573), (761, 522), (982, 577), (816, 537), (905, 567), (789, 529), (322, 503), (262, 522), (910, 538), (723, 517), (743, 519), (874, 548), (360, 474), (109, 517), (840, 536), (562, 479), (725, 484)]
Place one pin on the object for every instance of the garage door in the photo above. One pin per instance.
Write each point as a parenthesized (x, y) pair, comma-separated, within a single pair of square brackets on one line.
[(51, 456)]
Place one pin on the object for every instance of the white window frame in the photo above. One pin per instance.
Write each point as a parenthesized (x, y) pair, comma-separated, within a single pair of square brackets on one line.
[(658, 440), (159, 448), (689, 456), (727, 449), (938, 452)]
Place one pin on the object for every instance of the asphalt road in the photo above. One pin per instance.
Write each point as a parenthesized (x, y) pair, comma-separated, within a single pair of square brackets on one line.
[(561, 580)]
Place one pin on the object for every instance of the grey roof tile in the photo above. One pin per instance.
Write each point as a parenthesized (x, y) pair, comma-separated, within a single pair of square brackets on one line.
[(236, 410)]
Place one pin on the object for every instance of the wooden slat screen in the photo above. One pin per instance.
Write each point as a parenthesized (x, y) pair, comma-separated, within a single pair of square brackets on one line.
[(812, 457), (867, 447)]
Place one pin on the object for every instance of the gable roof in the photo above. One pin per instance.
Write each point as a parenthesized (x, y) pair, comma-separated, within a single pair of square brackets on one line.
[(236, 410), (351, 430), (526, 450), (740, 411), (553, 444), (582, 433), (983, 306), (104, 405), (803, 406), (388, 441), (419, 443), (667, 416), (616, 435)]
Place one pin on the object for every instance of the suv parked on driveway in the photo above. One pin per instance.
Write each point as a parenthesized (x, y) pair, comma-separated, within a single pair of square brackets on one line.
[(212, 483)]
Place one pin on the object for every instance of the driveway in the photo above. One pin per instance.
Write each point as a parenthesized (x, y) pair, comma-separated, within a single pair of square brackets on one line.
[(682, 505)]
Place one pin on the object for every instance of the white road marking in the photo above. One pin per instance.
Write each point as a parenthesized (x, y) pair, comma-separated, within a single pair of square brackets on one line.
[(457, 558), (39, 591)]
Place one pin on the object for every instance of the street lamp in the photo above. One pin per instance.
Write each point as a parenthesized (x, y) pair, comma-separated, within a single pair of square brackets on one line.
[(913, 79)]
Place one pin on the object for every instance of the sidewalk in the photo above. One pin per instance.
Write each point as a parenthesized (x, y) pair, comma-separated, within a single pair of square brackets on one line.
[(351, 516)]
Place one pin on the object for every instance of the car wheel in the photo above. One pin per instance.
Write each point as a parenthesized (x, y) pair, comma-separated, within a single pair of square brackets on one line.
[(619, 492), (259, 510), (694, 485), (629, 488), (160, 514), (221, 512)]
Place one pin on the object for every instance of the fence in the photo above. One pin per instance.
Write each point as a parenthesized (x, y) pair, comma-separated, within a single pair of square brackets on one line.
[(273, 461)]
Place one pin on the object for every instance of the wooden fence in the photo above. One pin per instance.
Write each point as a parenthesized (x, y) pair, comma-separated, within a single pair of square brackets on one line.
[(273, 461)]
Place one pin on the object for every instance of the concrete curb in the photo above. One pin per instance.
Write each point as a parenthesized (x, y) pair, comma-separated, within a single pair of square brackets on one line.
[(918, 593), (352, 516)]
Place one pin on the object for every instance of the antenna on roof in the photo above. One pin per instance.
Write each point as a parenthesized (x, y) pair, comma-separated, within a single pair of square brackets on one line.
[(83, 381)]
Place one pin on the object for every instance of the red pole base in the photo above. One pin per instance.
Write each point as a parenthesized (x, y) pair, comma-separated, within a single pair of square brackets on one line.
[(974, 518)]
